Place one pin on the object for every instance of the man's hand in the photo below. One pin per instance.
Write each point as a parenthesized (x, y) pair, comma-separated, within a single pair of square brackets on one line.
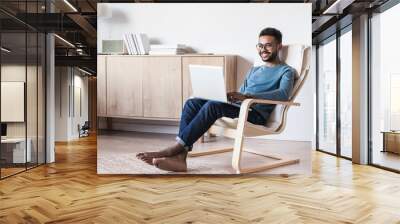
[(236, 96)]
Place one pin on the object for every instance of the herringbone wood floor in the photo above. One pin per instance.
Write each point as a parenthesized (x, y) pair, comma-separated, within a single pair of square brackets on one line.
[(70, 191)]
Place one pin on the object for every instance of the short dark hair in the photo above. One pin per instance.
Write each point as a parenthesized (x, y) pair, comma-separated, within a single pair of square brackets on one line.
[(269, 31)]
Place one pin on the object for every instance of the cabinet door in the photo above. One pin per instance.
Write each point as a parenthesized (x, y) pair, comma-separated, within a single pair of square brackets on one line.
[(101, 86), (162, 87), (124, 86), (186, 61)]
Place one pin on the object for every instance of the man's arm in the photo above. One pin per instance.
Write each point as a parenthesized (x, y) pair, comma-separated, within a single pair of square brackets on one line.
[(282, 93), (243, 87), (236, 96)]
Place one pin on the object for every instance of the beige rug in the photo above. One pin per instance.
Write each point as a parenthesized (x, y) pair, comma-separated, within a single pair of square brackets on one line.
[(117, 150)]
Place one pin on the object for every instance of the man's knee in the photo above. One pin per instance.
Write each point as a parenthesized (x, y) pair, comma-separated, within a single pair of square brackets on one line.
[(192, 102), (213, 106)]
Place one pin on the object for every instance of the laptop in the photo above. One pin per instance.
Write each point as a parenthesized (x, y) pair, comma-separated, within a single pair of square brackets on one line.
[(208, 83)]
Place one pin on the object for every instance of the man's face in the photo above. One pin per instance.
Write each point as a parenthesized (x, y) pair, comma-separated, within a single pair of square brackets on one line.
[(268, 48)]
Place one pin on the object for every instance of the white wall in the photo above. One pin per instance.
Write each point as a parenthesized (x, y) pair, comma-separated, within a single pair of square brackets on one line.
[(67, 79), (61, 103), (221, 28), (81, 83)]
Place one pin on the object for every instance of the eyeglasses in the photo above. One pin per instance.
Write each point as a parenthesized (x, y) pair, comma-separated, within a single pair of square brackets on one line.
[(263, 46)]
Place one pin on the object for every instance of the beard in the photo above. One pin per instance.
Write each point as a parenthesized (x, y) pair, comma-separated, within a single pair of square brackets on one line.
[(269, 57)]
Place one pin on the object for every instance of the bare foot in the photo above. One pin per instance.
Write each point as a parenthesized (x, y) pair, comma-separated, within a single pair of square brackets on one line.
[(175, 163), (170, 151)]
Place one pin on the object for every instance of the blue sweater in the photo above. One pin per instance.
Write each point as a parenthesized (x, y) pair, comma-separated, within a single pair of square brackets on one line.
[(272, 83)]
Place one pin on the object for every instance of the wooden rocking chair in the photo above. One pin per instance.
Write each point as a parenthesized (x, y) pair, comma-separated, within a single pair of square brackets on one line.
[(298, 57)]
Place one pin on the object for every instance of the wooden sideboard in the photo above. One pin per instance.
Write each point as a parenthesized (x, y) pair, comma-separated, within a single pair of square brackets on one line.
[(151, 87), (391, 141)]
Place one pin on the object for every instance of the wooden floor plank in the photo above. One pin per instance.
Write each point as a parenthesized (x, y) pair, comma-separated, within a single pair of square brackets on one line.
[(70, 191)]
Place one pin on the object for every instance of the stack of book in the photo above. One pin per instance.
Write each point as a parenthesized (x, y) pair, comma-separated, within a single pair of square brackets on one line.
[(137, 43), (162, 49)]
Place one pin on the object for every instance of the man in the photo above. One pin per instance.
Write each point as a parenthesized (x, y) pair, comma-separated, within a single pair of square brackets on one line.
[(273, 80)]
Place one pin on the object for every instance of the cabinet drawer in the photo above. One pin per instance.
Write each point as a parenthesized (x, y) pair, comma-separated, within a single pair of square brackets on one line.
[(162, 90), (124, 86)]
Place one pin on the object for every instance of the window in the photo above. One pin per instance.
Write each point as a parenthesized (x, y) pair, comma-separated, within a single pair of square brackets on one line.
[(335, 74), (394, 102), (327, 97), (385, 89), (346, 94), (22, 77)]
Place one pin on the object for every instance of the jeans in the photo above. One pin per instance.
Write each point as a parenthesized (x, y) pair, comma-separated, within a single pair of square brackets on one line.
[(199, 115)]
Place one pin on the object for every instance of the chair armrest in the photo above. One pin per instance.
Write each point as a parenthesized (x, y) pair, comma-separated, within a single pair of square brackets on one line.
[(249, 102), (244, 108)]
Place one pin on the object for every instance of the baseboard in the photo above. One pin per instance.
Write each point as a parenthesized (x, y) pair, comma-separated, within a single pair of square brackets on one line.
[(118, 124)]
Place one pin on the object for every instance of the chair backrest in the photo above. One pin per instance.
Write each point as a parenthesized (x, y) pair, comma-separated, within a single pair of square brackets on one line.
[(86, 125), (298, 57)]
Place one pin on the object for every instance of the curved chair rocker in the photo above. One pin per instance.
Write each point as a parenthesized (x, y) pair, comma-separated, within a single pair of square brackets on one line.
[(298, 57)]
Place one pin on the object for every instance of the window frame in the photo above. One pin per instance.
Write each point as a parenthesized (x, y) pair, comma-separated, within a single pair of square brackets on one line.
[(334, 37)]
